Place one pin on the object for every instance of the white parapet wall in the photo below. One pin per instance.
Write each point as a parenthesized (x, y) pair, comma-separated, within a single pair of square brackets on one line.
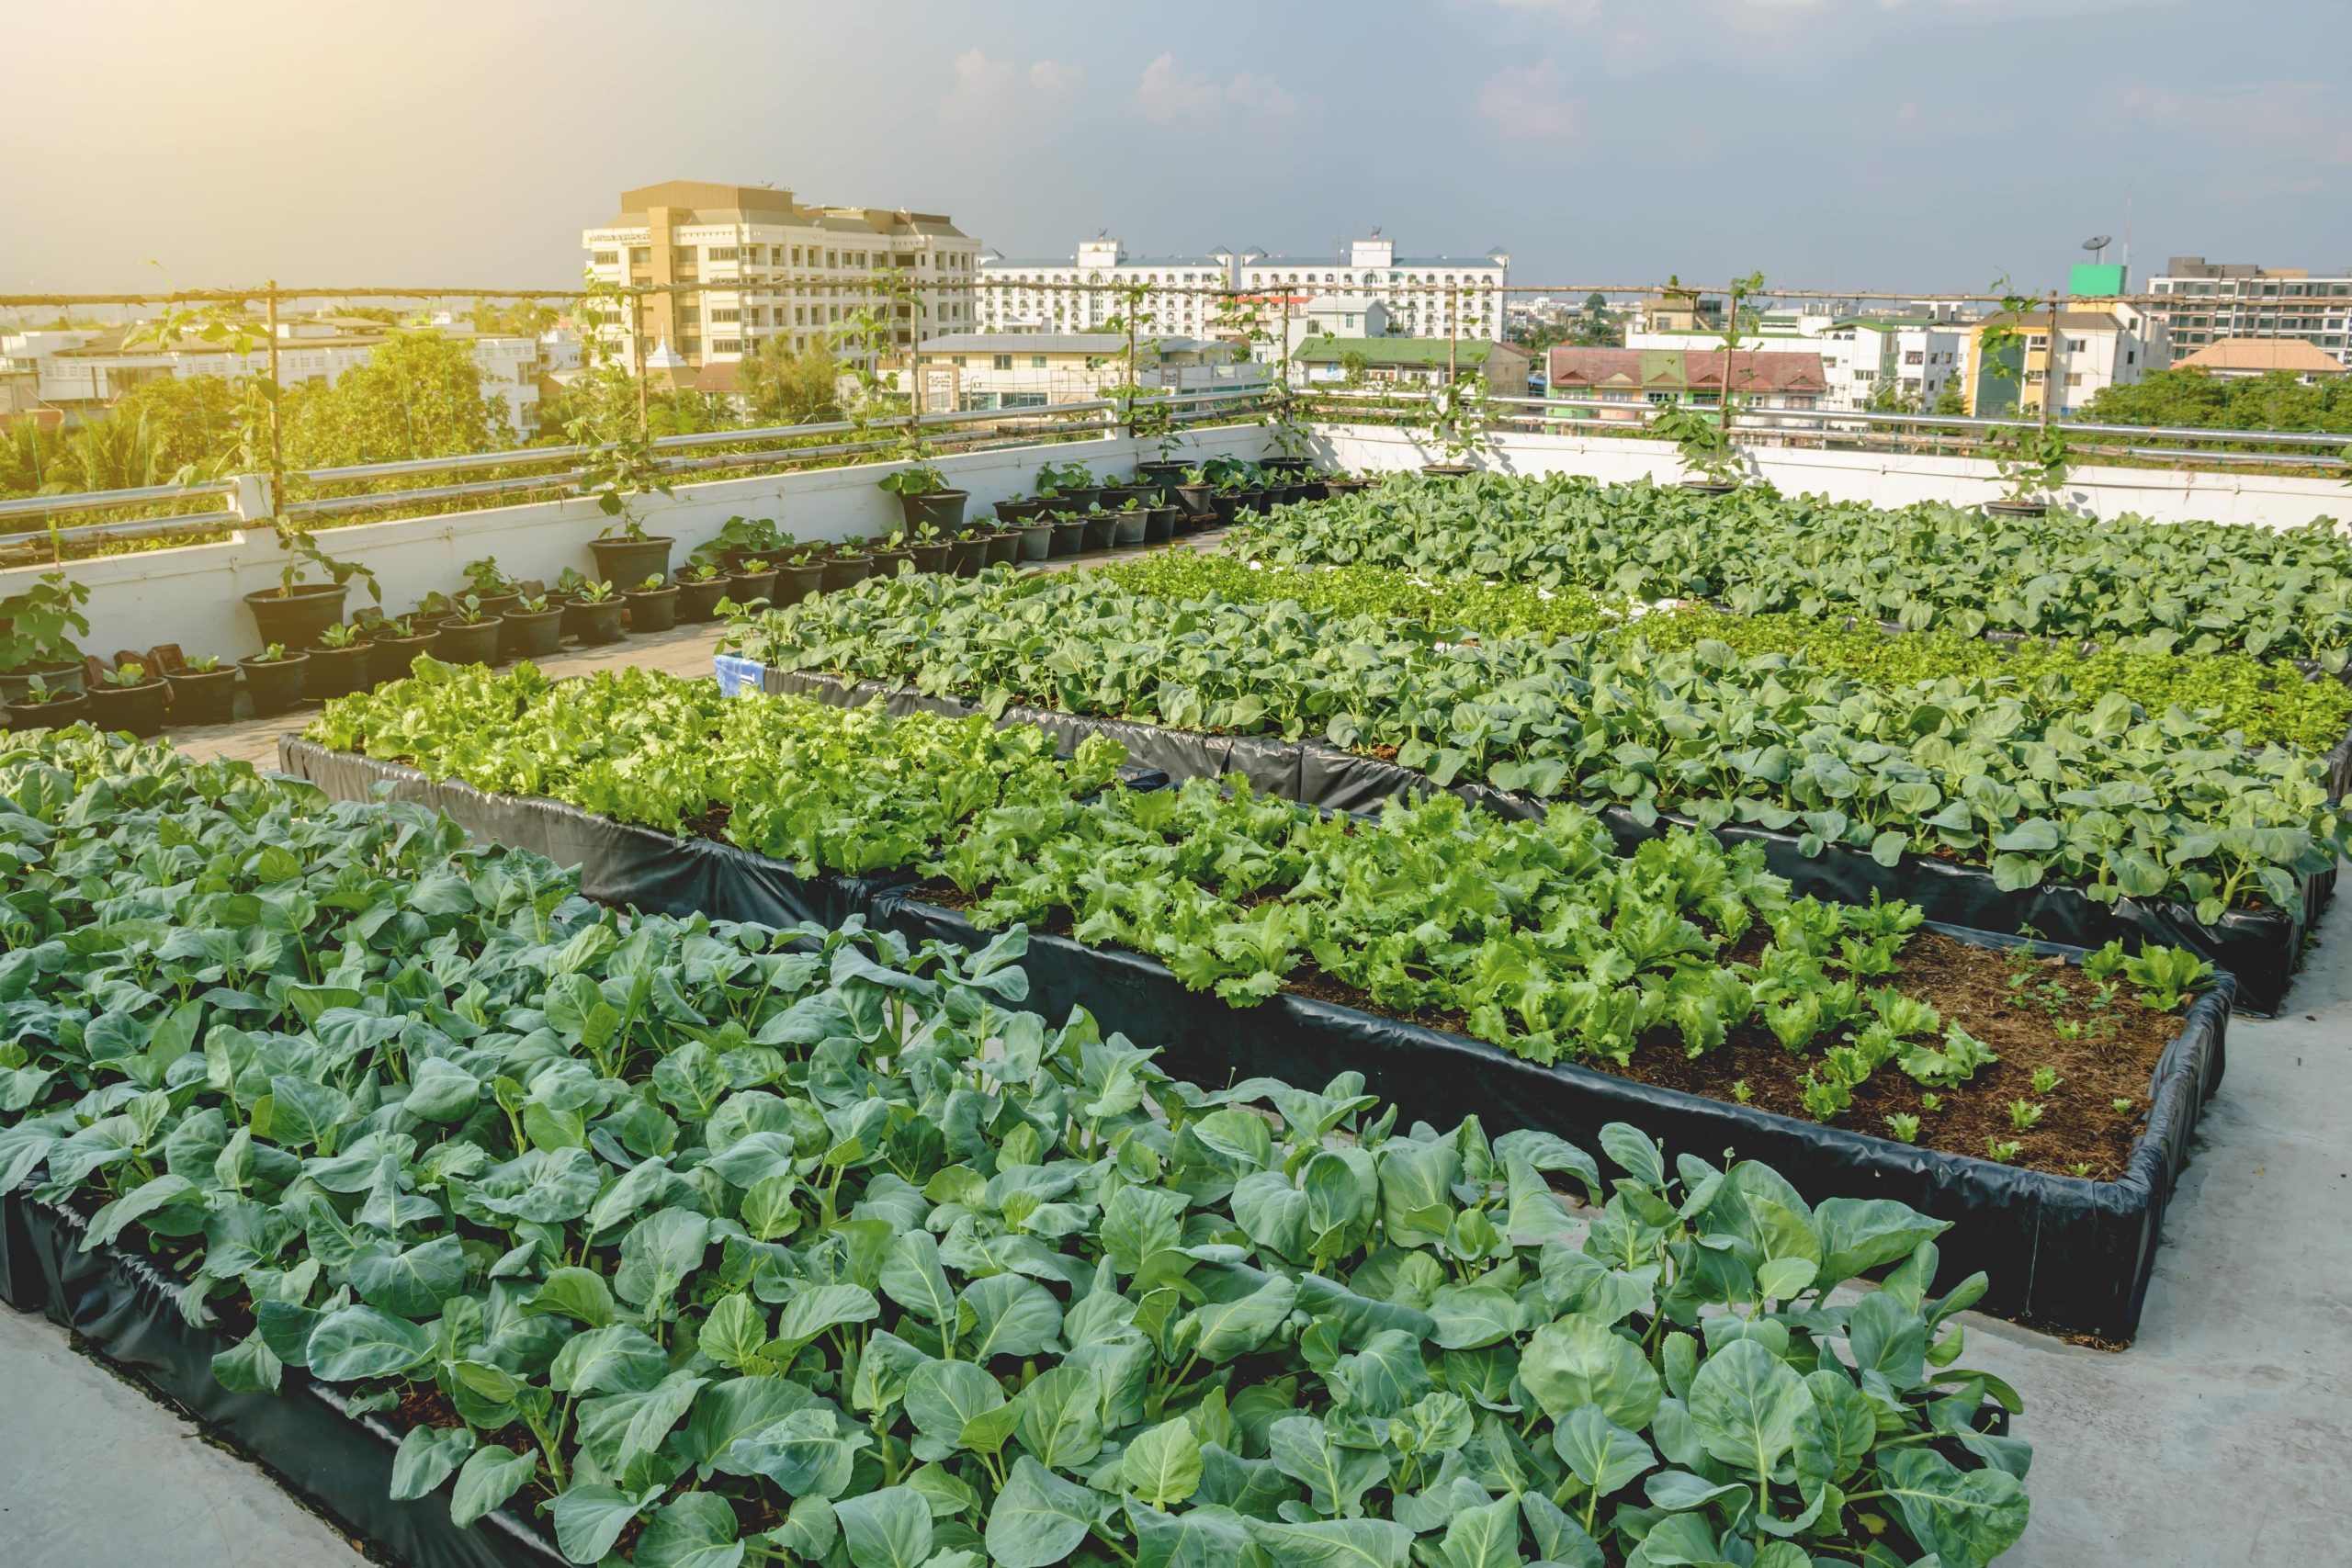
[(193, 595), (2162, 495)]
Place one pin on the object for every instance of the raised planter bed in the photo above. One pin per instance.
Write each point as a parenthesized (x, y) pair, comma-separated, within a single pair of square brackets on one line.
[(2260, 948), (127, 1309)]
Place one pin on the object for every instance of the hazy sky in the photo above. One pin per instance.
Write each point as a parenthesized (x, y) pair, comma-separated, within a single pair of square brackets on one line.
[(1830, 144)]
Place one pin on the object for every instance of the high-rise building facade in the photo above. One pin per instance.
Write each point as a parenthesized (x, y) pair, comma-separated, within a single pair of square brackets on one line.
[(2219, 300), (777, 269)]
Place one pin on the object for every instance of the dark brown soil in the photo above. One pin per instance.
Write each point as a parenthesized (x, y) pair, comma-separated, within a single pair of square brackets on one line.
[(1968, 985)]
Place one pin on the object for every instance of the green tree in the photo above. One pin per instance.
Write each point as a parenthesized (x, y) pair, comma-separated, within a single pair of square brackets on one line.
[(418, 394), (781, 387)]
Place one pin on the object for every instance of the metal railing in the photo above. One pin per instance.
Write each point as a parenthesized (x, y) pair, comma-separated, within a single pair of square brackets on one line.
[(964, 430)]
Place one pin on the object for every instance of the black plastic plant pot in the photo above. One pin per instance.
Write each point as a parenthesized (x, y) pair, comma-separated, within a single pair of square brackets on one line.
[(1227, 506), (888, 563), (968, 555), (1194, 500), (839, 574), (794, 583), (1285, 465), (528, 634), (1004, 546), (16, 685), (1037, 541), (933, 557), (1159, 524), (338, 672), (1070, 535), (1343, 487), (943, 509), (203, 696), (295, 617), (698, 599), (1706, 487), (393, 657), (54, 714), (1078, 500), (1102, 528), (138, 709), (1260, 500), (499, 603), (276, 685), (1447, 470), (568, 605), (1161, 474), (652, 609), (468, 642), (1114, 497), (631, 560), (2017, 509), (746, 586), (1126, 527), (1017, 510), (601, 622)]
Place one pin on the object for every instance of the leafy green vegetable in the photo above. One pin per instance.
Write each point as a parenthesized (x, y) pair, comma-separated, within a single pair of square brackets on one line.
[(1166, 1387)]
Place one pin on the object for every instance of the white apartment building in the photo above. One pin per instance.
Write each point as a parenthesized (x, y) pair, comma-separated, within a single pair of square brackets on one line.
[(2220, 300), (1423, 295), (1035, 294), (1865, 360), (773, 268), (86, 370)]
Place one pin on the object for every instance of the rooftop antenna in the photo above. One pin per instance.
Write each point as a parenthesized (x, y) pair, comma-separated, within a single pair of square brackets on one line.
[(2097, 244)]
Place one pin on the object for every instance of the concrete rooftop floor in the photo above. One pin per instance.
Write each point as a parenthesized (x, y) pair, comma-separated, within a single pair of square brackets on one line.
[(2217, 1440)]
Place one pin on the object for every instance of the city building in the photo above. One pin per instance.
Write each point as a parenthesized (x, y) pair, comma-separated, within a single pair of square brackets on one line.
[(1332, 315), (1181, 294), (1647, 378), (84, 370), (1424, 295), (975, 372), (1410, 362), (2243, 358), (2093, 345), (781, 269), (2233, 300), (1896, 361)]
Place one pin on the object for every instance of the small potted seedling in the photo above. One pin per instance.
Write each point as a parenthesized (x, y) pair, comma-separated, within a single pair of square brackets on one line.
[(932, 548), (37, 704), (924, 494), (203, 691), (1071, 485), (1019, 508), (892, 554), (533, 628), (339, 664), (1005, 542), (741, 538), (1070, 531), (700, 588), (626, 553), (753, 579), (850, 564), (469, 636), (1129, 520), (1195, 499), (1035, 534), (600, 614), (497, 592), (299, 611), (801, 574), (971, 551), (2033, 461), (128, 697), (652, 605), (34, 625), (275, 678), (397, 643)]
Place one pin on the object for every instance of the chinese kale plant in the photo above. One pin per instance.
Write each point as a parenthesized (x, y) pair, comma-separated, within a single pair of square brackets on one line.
[(714, 1244)]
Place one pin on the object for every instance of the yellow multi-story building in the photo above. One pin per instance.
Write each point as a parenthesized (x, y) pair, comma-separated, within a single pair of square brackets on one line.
[(777, 267), (2088, 347)]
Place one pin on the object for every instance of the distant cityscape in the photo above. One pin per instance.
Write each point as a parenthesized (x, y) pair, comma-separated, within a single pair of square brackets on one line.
[(973, 329)]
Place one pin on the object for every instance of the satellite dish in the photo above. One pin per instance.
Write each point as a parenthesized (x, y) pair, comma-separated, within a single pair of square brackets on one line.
[(2097, 243)]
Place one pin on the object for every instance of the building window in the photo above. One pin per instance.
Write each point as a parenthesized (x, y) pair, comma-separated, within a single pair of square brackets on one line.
[(736, 315), (724, 252), (640, 256), (726, 345), (690, 346), (1001, 361), (1037, 362), (607, 258)]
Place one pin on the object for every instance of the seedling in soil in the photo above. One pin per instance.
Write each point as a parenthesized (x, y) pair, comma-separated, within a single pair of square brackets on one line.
[(2024, 1115), (2002, 1150), (2045, 1081), (1902, 1128)]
